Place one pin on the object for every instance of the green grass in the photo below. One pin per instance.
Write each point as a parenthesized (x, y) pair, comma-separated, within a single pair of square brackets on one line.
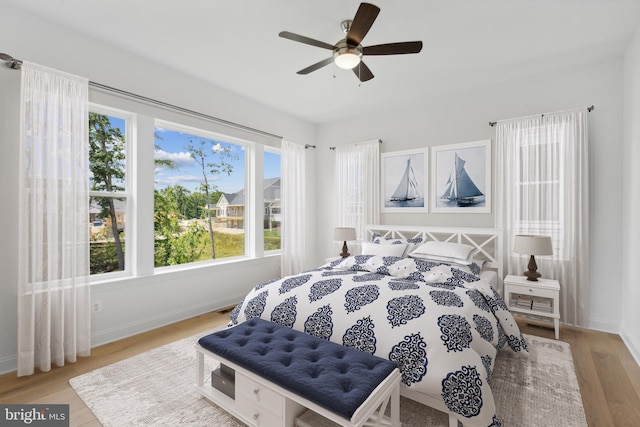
[(103, 257)]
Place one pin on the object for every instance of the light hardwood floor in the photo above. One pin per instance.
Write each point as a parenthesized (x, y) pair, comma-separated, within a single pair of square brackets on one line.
[(608, 375)]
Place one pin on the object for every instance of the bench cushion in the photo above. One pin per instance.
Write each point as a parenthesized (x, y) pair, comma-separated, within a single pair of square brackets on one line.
[(335, 377)]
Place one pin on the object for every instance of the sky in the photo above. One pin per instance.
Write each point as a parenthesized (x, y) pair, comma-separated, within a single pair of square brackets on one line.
[(172, 145)]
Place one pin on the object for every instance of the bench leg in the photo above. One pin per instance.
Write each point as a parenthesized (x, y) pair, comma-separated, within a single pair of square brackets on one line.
[(199, 368), (380, 420), (395, 407)]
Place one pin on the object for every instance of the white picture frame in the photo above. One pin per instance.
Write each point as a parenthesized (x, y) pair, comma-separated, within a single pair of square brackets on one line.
[(473, 163), (408, 168)]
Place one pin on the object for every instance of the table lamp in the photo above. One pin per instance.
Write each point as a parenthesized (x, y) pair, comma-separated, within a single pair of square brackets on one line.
[(532, 245), (343, 234)]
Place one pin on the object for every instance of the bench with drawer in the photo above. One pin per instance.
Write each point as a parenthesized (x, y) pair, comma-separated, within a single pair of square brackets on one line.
[(280, 372)]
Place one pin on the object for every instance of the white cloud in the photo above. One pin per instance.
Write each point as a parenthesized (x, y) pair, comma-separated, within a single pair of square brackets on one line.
[(179, 159), (184, 180), (216, 148)]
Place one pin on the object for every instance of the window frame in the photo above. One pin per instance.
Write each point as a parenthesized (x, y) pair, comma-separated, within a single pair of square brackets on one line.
[(273, 150), (142, 118), (248, 147), (130, 141)]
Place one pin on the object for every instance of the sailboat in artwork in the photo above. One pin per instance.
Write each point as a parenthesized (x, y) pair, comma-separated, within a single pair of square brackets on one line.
[(408, 187), (460, 188)]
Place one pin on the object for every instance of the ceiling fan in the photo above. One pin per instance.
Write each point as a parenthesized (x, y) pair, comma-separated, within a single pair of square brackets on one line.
[(348, 52)]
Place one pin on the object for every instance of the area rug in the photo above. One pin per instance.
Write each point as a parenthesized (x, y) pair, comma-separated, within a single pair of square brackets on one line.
[(156, 389)]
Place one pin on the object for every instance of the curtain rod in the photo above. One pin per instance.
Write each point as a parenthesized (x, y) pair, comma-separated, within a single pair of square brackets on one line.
[(15, 64), (589, 109), (333, 148)]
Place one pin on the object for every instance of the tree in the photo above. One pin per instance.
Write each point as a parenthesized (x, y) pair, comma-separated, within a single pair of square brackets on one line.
[(106, 163), (174, 244), (201, 155)]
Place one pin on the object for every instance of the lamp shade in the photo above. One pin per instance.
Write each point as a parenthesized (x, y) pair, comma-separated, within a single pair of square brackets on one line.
[(344, 234), (532, 245)]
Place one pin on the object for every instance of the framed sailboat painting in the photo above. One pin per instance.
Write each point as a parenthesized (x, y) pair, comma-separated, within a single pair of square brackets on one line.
[(404, 181), (461, 177)]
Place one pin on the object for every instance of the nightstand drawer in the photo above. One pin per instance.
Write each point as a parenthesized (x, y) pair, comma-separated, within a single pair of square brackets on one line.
[(544, 293), (258, 394)]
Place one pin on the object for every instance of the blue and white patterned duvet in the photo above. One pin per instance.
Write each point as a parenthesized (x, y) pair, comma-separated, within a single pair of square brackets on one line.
[(443, 336)]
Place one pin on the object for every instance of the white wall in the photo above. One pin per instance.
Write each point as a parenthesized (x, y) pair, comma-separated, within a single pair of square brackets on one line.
[(448, 118), (140, 303), (631, 202)]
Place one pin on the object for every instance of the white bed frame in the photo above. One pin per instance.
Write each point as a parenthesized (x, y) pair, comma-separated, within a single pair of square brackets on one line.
[(488, 245)]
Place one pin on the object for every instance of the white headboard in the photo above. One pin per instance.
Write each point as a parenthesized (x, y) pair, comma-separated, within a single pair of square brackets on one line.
[(487, 242)]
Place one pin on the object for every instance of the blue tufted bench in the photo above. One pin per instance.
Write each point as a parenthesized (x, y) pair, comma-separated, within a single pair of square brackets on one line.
[(343, 384)]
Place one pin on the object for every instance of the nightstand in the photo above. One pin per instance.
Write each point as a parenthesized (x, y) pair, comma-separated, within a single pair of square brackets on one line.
[(531, 299)]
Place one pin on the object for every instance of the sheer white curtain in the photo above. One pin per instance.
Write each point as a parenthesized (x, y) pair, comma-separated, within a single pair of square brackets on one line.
[(292, 189), (543, 188), (357, 184), (53, 288)]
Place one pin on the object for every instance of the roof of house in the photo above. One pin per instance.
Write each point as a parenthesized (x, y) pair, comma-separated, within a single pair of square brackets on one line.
[(271, 193)]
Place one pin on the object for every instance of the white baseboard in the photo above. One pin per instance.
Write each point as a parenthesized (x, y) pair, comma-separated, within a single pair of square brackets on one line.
[(604, 325), (9, 364), (632, 347), (124, 331)]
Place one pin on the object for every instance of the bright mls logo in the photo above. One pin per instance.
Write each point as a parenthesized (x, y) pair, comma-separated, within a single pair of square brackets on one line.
[(34, 415)]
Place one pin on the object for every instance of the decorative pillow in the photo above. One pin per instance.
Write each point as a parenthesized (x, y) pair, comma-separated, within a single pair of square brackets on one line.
[(396, 250), (438, 274), (444, 251), (411, 243), (391, 266)]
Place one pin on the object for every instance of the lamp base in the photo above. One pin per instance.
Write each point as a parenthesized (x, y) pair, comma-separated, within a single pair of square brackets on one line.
[(532, 274), (345, 251)]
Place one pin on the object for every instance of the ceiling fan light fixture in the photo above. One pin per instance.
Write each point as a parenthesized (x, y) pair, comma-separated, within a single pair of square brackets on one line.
[(347, 58)]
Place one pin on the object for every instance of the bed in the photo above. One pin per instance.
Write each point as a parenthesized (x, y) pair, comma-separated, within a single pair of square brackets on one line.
[(419, 296)]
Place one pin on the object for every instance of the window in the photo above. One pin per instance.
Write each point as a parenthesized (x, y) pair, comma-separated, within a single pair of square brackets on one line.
[(272, 217), (166, 194), (540, 187), (108, 186), (199, 196)]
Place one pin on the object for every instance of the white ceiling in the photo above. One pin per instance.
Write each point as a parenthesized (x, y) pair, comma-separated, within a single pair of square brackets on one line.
[(235, 43)]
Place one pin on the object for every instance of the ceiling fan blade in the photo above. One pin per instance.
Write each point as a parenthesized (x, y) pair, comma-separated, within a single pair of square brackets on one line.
[(393, 48), (362, 22), (305, 40), (362, 72), (316, 66)]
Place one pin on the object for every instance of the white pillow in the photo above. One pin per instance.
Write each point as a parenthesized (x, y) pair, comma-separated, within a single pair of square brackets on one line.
[(383, 250), (444, 251), (445, 259)]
